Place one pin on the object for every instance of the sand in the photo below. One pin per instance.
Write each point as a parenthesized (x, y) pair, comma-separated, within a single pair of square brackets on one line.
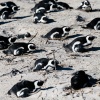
[(53, 89)]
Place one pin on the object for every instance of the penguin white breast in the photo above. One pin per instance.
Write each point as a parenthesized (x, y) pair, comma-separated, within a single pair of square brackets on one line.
[(21, 92), (52, 35), (42, 20), (97, 26)]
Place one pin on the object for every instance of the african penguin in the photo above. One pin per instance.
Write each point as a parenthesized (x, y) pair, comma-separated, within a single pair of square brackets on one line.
[(79, 44), (6, 13), (24, 36), (44, 8), (8, 4), (86, 6), (20, 48), (41, 18), (58, 33), (45, 64), (94, 24), (6, 41), (80, 80), (25, 88), (62, 5)]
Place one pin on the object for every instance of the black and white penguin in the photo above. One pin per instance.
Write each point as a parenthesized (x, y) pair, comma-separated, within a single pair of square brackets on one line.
[(8, 4), (45, 64), (25, 88), (94, 24), (58, 33), (41, 18), (48, 1), (6, 13), (44, 8), (6, 41), (20, 48), (79, 44), (62, 5), (80, 80), (85, 6), (23, 36)]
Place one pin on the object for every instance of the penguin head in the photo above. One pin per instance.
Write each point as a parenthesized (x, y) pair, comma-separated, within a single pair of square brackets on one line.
[(27, 34), (79, 73), (85, 5), (15, 8), (11, 39), (38, 84), (90, 38), (52, 63), (66, 30), (31, 46)]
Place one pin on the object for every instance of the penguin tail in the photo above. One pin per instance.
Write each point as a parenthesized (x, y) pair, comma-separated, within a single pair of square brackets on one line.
[(5, 52), (64, 45), (9, 92), (71, 8), (42, 36)]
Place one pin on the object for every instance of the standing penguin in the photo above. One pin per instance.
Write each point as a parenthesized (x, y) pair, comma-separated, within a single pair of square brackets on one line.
[(6, 41), (80, 80), (85, 6), (94, 24), (45, 64), (25, 88), (58, 33), (20, 48), (6, 13), (79, 44)]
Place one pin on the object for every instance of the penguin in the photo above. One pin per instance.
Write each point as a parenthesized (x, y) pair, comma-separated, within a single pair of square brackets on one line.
[(80, 80), (7, 13), (58, 33), (94, 24), (41, 18), (44, 8), (85, 6), (25, 88), (6, 41), (79, 44), (45, 64), (20, 48), (23, 36), (62, 5), (80, 18), (8, 4)]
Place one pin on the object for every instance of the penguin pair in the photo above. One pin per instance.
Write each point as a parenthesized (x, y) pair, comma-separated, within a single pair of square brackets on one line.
[(94, 24), (81, 80), (20, 48), (45, 64), (85, 6), (41, 18), (6, 41), (79, 44), (25, 88), (9, 10), (58, 33)]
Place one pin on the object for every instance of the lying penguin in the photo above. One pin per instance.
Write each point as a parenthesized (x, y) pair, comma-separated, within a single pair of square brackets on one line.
[(44, 8), (25, 88), (45, 64), (20, 48), (8, 4), (58, 33), (94, 24), (81, 80), (41, 18), (85, 6), (6, 41), (62, 6), (79, 44), (7, 13)]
